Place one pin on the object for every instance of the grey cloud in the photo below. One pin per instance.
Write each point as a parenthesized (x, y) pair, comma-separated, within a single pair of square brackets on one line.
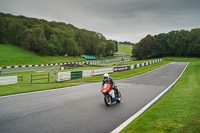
[(122, 20)]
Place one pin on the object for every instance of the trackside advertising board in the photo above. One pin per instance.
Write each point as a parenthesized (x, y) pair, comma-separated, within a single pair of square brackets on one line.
[(76, 75), (119, 69)]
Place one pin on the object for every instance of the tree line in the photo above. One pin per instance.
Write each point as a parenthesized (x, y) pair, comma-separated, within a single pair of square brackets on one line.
[(53, 38), (175, 43), (126, 43)]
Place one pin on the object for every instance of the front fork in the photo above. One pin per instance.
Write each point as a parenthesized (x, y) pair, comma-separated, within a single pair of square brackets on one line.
[(112, 93)]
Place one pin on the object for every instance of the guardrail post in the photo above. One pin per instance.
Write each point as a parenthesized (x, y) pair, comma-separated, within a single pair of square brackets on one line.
[(31, 78), (20, 78), (48, 76)]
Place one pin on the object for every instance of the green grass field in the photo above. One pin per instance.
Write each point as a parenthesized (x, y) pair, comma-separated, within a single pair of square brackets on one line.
[(12, 55), (179, 110), (124, 49)]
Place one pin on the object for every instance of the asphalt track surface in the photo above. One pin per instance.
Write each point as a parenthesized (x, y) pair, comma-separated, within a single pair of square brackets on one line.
[(81, 108)]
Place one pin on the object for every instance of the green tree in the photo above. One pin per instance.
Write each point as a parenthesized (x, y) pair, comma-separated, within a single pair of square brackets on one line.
[(194, 43), (2, 30), (159, 46), (16, 32), (110, 47), (38, 40), (144, 47), (57, 45), (71, 47), (101, 49)]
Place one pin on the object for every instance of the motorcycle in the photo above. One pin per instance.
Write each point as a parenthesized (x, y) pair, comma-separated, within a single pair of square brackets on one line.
[(110, 95)]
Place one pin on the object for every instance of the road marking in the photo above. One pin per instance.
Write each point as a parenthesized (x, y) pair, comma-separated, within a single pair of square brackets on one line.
[(123, 125)]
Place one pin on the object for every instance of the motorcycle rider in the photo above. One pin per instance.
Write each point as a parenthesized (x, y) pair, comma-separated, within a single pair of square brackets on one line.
[(107, 79)]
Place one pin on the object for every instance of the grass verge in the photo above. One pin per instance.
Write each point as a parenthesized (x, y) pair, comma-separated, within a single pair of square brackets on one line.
[(177, 111)]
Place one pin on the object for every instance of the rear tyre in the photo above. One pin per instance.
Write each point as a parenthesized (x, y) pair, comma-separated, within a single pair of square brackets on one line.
[(108, 99)]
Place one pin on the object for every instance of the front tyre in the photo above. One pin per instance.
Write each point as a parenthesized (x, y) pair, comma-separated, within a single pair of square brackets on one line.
[(119, 98), (107, 99)]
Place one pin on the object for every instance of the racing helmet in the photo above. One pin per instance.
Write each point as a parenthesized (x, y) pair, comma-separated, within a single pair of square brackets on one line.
[(106, 76)]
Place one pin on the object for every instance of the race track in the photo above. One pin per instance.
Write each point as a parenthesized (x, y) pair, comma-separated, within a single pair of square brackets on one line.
[(81, 108)]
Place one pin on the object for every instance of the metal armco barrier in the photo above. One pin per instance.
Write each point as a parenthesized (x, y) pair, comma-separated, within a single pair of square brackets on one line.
[(6, 80), (102, 71), (63, 76), (87, 73)]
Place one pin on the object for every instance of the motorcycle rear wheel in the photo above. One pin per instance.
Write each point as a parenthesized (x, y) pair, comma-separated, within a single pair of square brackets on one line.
[(108, 99)]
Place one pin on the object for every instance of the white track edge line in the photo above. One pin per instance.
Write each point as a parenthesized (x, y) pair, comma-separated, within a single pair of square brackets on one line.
[(128, 121)]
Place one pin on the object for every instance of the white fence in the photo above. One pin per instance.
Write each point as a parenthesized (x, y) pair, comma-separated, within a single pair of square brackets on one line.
[(62, 76), (87, 73), (8, 80), (102, 71)]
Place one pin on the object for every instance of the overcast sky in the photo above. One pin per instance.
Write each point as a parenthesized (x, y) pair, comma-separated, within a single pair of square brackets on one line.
[(121, 20)]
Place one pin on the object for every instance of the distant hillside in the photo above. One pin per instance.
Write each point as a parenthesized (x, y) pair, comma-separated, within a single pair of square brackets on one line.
[(52, 38), (13, 55)]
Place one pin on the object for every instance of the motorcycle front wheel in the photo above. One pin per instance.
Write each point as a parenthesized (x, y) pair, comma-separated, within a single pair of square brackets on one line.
[(108, 99), (119, 97)]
